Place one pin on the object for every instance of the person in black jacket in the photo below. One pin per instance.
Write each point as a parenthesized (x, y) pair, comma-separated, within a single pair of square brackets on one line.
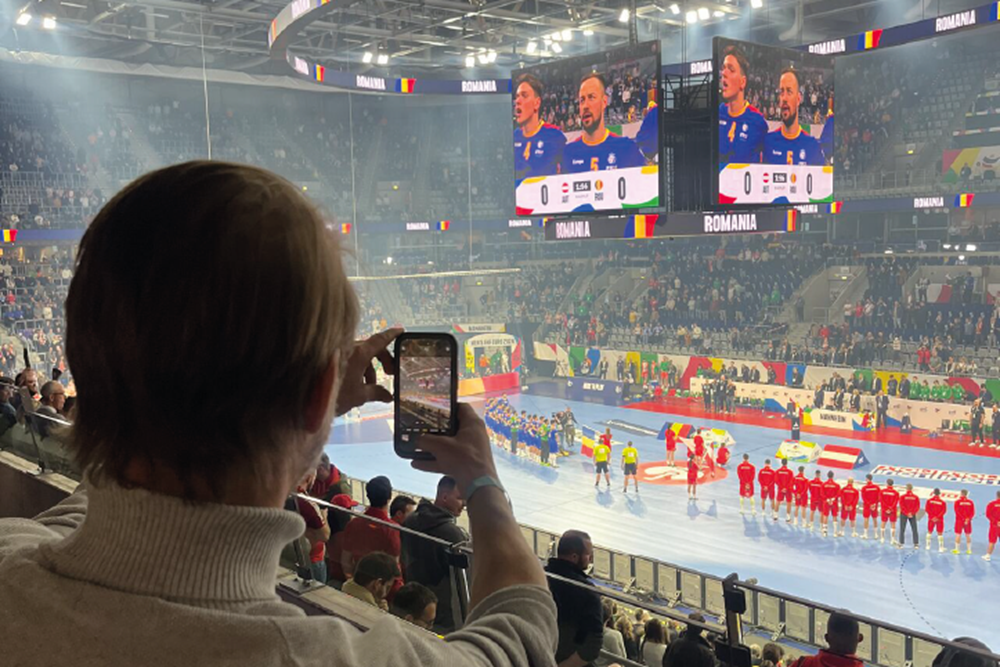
[(881, 410), (856, 401), (904, 388), (996, 425), (690, 649), (579, 612)]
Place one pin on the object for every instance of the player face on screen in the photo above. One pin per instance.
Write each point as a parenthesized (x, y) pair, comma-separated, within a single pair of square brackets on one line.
[(526, 106), (593, 101), (734, 80), (789, 99)]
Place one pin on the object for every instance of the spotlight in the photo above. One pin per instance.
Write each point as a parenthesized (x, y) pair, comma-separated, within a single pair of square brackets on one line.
[(567, 35), (947, 246), (482, 58), (588, 32), (491, 56), (756, 4), (961, 258), (691, 16), (971, 247), (532, 47), (49, 23), (675, 9), (703, 13), (556, 36), (368, 57), (556, 47), (470, 61), (717, 14), (24, 18), (383, 59), (888, 251), (623, 17), (388, 260)]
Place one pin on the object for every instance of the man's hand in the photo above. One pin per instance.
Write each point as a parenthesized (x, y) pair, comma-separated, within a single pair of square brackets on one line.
[(357, 385), (466, 456)]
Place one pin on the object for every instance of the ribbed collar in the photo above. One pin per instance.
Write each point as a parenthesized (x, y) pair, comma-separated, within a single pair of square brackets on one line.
[(205, 554)]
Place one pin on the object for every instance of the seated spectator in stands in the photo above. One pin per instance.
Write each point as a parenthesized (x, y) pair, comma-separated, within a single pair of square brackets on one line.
[(329, 482), (335, 545), (373, 578), (27, 379), (415, 603), (772, 653), (317, 529), (950, 657), (624, 628), (691, 648), (580, 614), (179, 521), (654, 643), (53, 396), (363, 537), (401, 508), (428, 563), (842, 639), (8, 415)]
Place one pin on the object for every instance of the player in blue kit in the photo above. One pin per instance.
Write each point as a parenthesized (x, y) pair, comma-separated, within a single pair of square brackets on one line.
[(742, 128), (598, 148), (826, 136), (538, 146), (789, 144), (648, 138)]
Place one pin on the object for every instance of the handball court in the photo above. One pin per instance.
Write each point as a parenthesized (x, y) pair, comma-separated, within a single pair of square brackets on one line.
[(923, 590)]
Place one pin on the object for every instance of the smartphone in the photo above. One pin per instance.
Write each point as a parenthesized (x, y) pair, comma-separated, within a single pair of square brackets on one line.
[(426, 396)]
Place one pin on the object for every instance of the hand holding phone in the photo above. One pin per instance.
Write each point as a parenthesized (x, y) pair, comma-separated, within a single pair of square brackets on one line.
[(426, 390), (358, 385)]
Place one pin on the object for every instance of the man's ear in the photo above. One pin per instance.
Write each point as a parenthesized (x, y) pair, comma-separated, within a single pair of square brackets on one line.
[(320, 398)]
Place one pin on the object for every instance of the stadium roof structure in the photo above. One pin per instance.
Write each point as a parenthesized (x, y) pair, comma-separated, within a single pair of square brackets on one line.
[(419, 36)]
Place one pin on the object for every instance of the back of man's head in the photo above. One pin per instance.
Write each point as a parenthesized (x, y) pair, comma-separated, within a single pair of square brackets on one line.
[(950, 657), (376, 566), (207, 367), (842, 634), (573, 546), (379, 491), (411, 600)]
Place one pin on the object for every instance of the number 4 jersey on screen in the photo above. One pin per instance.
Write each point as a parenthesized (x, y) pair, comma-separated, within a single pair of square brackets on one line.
[(775, 124), (586, 133)]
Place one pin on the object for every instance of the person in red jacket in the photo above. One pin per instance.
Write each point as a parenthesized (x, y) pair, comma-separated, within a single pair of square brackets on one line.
[(889, 502), (783, 479), (692, 476), (815, 498), (722, 456), (965, 509), (870, 494), (671, 440), (831, 496), (936, 509), (849, 497), (801, 487), (766, 479), (909, 506), (842, 639), (993, 516), (747, 473)]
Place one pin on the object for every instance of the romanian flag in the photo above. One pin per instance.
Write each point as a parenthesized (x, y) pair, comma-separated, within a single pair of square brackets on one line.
[(836, 206), (640, 227), (444, 225), (791, 220), (320, 73), (869, 40), (587, 441), (345, 228), (406, 85), (964, 200), (9, 235), (679, 429)]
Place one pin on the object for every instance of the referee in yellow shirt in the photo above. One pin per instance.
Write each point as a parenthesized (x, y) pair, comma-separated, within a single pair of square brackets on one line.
[(630, 463), (601, 455)]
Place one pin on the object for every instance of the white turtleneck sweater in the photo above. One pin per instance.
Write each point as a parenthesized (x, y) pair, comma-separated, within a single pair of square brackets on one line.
[(124, 577)]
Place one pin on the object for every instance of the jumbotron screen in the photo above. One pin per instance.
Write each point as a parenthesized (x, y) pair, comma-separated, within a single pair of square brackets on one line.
[(587, 133), (775, 118)]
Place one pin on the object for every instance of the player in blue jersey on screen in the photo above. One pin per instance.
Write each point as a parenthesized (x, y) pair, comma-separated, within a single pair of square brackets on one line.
[(648, 138), (538, 146), (826, 137), (742, 128), (789, 144), (598, 148)]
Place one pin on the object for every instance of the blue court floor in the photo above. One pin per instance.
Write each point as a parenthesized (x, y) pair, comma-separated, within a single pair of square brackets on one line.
[(941, 594)]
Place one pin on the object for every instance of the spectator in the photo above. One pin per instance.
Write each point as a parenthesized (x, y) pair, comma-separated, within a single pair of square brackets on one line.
[(415, 603), (772, 653), (317, 528), (53, 396), (690, 649), (373, 578), (612, 642), (179, 520), (624, 628), (8, 415), (580, 614), (950, 657), (654, 643), (328, 480), (428, 563), (335, 545), (842, 639), (401, 508), (363, 537)]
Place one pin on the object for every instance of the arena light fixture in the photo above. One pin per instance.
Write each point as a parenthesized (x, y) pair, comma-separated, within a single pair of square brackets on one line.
[(756, 4), (556, 47), (567, 35), (368, 57), (482, 58), (703, 13), (23, 19), (556, 36), (971, 247), (888, 251), (383, 59), (946, 246), (717, 14), (588, 32), (675, 9), (388, 260), (470, 61), (532, 47), (624, 16), (49, 23), (491, 56), (961, 258), (691, 16)]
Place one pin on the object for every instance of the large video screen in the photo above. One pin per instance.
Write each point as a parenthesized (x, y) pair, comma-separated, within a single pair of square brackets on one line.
[(586, 133), (775, 118)]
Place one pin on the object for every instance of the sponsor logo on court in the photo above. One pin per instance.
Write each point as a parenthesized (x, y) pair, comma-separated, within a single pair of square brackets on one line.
[(982, 479), (953, 21)]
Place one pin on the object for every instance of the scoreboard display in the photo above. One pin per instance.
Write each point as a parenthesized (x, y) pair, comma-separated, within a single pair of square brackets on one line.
[(775, 125), (587, 133)]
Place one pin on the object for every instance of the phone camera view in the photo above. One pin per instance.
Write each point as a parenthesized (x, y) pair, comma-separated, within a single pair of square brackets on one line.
[(425, 376)]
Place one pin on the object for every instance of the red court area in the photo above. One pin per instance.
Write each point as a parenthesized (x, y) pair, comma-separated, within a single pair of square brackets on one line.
[(946, 442)]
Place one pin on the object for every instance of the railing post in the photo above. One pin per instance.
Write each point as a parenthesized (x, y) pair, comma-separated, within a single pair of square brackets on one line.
[(731, 650)]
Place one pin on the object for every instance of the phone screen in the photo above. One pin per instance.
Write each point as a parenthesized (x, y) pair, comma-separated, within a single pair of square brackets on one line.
[(425, 391)]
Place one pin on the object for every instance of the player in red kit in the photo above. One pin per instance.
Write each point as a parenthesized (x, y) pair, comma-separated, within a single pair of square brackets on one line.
[(692, 477), (936, 509), (909, 506), (722, 456), (699, 445), (766, 479), (671, 440), (870, 494), (849, 497), (800, 486), (747, 474), (831, 498), (606, 438), (965, 509), (888, 500), (783, 478), (993, 516), (815, 498)]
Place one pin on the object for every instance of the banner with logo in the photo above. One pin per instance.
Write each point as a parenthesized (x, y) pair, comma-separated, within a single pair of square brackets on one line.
[(479, 328)]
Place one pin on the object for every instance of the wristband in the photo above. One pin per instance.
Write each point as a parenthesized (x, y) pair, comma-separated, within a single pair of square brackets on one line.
[(481, 482)]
